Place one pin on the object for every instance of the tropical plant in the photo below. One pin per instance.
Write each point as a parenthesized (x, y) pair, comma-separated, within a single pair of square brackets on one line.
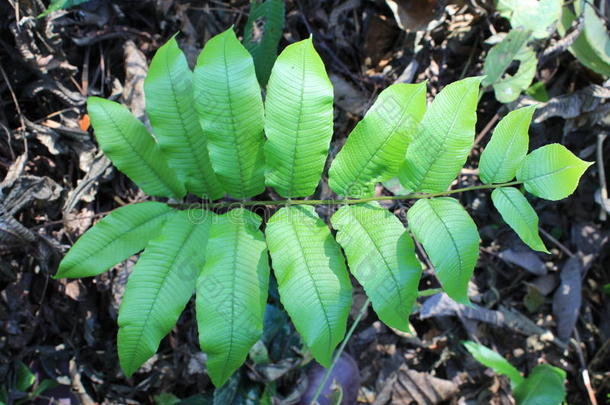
[(215, 137), (543, 385)]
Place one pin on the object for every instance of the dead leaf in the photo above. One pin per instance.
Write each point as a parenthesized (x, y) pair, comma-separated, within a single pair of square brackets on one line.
[(414, 15), (568, 297), (405, 386), (525, 259), (347, 96), (136, 68)]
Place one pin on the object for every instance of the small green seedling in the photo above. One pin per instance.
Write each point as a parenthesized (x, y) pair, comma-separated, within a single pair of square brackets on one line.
[(543, 386), (215, 137)]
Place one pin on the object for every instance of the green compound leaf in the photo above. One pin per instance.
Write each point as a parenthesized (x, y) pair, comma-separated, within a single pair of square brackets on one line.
[(262, 34), (126, 141), (299, 121), (443, 139), (170, 107), (160, 286), (122, 233), (544, 386), (519, 215), (533, 15), (312, 279), (451, 240), (512, 48), (381, 255), (232, 292), (493, 360), (592, 47), (376, 147), (507, 147), (551, 172), (230, 108)]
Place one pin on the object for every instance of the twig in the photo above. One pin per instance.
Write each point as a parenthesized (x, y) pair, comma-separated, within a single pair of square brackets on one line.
[(486, 129), (290, 202), (565, 42), (602, 177), (350, 332), (584, 372), (556, 242)]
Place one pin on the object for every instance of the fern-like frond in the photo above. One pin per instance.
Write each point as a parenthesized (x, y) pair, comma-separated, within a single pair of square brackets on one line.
[(122, 233), (443, 139), (451, 240), (312, 279), (507, 147), (169, 105), (160, 286), (298, 122), (381, 255), (126, 141), (519, 215), (230, 109), (551, 172), (376, 147), (232, 292)]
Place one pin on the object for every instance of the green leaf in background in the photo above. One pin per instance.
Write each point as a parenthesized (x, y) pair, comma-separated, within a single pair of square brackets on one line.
[(122, 233), (298, 121), (160, 286), (381, 255), (534, 15), (230, 108), (538, 92), (443, 140), (232, 292), (501, 55), (551, 172), (126, 141), (262, 34), (170, 108), (24, 378), (451, 240), (376, 147), (507, 147), (512, 48), (312, 279), (519, 215), (592, 47), (543, 386), (493, 360), (61, 5)]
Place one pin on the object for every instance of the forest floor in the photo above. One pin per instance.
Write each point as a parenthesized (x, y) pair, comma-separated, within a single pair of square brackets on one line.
[(531, 307)]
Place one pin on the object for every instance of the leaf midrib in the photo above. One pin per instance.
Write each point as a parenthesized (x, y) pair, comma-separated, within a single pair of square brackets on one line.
[(233, 126), (554, 172), (313, 280), (299, 120), (200, 174), (232, 320), (453, 241)]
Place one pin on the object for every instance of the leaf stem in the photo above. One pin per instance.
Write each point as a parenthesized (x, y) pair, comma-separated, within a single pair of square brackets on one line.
[(410, 196), (350, 332)]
